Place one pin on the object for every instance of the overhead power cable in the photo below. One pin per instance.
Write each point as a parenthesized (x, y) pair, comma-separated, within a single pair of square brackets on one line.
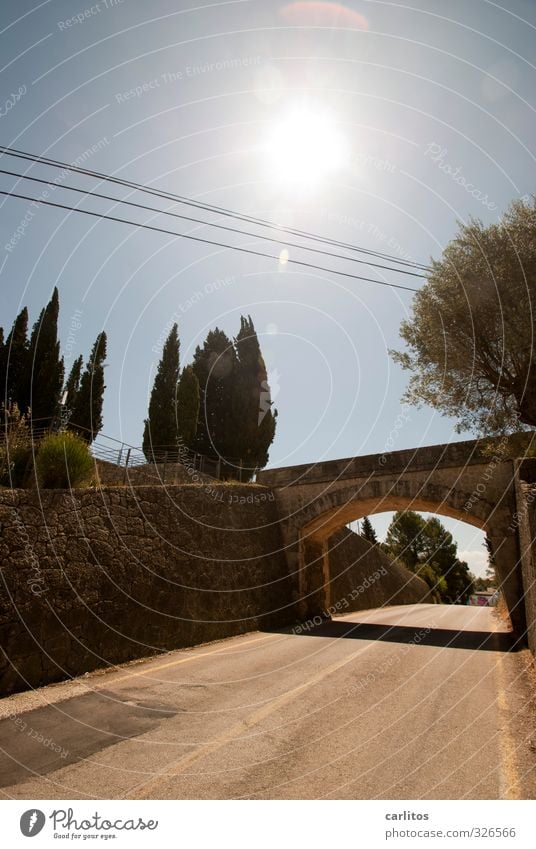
[(91, 193), (202, 240), (44, 160)]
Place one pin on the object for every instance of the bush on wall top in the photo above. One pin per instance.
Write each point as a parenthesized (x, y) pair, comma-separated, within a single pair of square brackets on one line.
[(15, 446), (63, 461)]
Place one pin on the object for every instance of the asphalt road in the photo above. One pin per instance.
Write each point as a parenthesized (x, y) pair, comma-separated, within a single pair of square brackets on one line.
[(416, 702)]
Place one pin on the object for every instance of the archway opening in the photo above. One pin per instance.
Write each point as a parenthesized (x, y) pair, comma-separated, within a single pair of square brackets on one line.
[(441, 545), (416, 556), (340, 504)]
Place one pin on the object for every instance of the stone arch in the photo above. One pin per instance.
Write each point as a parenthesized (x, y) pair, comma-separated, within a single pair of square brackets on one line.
[(321, 513), (338, 506), (472, 481)]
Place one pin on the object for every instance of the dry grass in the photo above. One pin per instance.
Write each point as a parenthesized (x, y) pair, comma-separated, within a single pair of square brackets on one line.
[(501, 612)]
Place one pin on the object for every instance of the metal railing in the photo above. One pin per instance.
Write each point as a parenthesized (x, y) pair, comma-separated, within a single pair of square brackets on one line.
[(121, 454), (115, 452), (127, 456)]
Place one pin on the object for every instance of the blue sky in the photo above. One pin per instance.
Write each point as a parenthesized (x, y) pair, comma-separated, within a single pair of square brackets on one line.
[(414, 92)]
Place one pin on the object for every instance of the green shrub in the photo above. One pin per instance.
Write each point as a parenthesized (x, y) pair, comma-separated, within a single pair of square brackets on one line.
[(63, 461), (15, 467), (15, 447)]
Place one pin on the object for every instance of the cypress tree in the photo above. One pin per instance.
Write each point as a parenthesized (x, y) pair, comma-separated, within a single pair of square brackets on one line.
[(14, 375), (160, 430), (255, 420), (3, 403), (45, 365), (214, 366), (72, 385), (367, 531), (187, 406), (2, 368), (86, 418)]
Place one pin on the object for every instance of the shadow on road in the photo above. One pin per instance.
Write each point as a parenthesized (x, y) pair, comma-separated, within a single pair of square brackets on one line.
[(54, 736), (423, 636)]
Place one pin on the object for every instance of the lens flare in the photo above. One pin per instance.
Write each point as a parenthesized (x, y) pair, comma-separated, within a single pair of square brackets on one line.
[(323, 15)]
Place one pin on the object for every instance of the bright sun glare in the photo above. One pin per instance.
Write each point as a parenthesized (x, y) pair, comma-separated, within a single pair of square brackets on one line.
[(304, 148)]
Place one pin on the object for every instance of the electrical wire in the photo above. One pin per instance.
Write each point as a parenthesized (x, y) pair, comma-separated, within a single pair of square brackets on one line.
[(36, 159), (155, 229), (90, 192)]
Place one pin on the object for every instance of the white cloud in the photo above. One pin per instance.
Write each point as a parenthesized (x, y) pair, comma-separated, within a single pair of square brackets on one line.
[(477, 558)]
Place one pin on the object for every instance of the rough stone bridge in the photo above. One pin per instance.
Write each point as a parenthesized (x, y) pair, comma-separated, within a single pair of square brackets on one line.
[(471, 481)]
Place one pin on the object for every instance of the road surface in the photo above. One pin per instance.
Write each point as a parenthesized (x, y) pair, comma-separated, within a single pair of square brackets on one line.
[(413, 702)]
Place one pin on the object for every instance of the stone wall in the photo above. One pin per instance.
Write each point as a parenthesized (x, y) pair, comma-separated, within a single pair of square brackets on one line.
[(147, 474), (97, 577), (525, 520), (363, 576)]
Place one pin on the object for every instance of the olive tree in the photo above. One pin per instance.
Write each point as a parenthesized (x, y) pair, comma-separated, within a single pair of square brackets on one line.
[(471, 339)]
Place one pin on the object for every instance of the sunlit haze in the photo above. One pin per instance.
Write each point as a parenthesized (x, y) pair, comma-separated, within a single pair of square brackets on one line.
[(305, 147), (377, 124)]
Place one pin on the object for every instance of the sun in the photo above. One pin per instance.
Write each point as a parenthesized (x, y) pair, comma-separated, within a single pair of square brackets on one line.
[(304, 148)]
